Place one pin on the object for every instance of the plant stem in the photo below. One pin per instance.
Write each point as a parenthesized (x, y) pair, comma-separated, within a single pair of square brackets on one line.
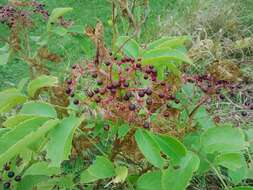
[(220, 177)]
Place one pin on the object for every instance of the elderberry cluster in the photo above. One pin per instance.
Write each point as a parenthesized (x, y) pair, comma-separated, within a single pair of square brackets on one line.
[(40, 9), (8, 176), (11, 14), (133, 96)]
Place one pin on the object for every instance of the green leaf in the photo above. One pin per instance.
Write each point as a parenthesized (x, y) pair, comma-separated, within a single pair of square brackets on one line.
[(161, 56), (61, 31), (232, 161), (121, 174), (39, 109), (41, 168), (150, 181), (101, 169), (123, 130), (56, 13), (171, 147), (41, 82), (203, 118), (243, 188), (29, 182), (223, 140), (17, 139), (179, 178), (3, 131), (4, 54), (129, 46), (10, 98), (60, 143), (172, 42), (11, 122), (149, 148)]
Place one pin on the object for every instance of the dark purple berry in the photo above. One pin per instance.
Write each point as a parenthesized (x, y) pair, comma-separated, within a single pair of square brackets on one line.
[(177, 101), (149, 101), (76, 102), (68, 91), (147, 125), (96, 91), (18, 178), (97, 99), (107, 63), (132, 107), (138, 65), (99, 82), (244, 113), (94, 75), (11, 174), (126, 84), (69, 82), (7, 167), (74, 67), (161, 95), (106, 127), (145, 77), (148, 91), (141, 94), (126, 98), (102, 91), (163, 83), (7, 185), (113, 91)]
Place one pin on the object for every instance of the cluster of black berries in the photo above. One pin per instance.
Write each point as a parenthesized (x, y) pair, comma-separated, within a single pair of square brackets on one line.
[(8, 15), (125, 96), (40, 9), (10, 176), (210, 85)]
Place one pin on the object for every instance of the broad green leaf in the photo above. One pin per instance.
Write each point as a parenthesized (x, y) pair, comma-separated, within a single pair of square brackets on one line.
[(171, 147), (86, 177), (22, 83), (121, 174), (76, 29), (179, 178), (129, 46), (150, 181), (223, 139), (243, 188), (16, 140), (11, 122), (123, 130), (56, 13), (61, 31), (164, 56), (41, 168), (232, 161), (172, 42), (60, 143), (203, 119), (4, 54), (149, 148), (41, 82), (39, 109), (3, 131), (239, 174), (102, 168), (10, 98), (29, 182)]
